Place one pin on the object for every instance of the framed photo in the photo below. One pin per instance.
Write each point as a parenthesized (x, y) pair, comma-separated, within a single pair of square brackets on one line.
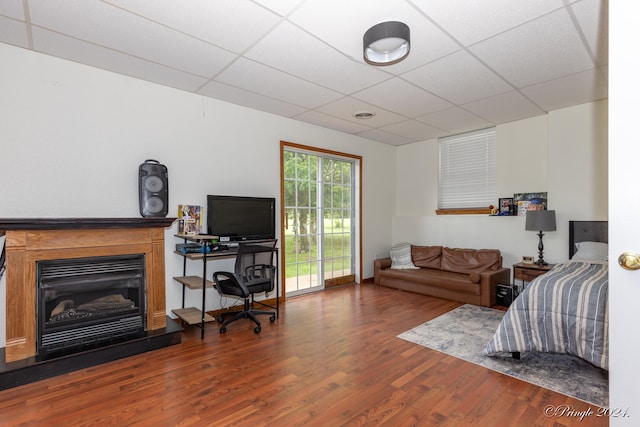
[(505, 206), (530, 202), (189, 220), (527, 259)]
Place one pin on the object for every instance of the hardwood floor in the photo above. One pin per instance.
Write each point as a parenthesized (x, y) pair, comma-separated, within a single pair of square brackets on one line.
[(331, 359)]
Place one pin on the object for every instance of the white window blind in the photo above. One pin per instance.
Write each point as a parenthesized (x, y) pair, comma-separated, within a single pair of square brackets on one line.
[(468, 170)]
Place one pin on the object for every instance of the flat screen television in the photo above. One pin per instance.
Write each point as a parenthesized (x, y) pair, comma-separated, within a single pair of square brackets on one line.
[(239, 218)]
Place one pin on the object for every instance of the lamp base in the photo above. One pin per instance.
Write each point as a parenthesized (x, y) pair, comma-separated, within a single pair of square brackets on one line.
[(541, 260)]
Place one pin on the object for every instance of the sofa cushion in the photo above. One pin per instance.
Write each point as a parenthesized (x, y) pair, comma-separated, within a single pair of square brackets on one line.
[(401, 257), (426, 256), (470, 260)]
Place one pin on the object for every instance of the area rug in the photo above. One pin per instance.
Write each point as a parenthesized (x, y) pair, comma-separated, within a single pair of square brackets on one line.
[(465, 331)]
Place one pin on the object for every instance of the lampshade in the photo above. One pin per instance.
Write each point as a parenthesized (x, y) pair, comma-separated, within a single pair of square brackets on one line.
[(540, 221), (386, 43)]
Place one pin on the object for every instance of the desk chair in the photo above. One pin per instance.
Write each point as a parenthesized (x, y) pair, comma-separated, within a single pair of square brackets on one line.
[(254, 273)]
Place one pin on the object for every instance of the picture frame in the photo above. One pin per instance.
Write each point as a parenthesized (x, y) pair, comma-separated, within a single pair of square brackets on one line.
[(190, 220), (527, 259), (505, 206), (530, 202)]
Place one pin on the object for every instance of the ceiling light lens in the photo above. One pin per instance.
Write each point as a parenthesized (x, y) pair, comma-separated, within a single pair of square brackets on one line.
[(388, 45)]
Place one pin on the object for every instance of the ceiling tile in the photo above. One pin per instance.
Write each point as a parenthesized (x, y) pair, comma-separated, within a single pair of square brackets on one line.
[(264, 80), (503, 108), (593, 17), (414, 129), (386, 137), (66, 47), (460, 17), (346, 107), (331, 122), (13, 32), (214, 21), (575, 89), (290, 49), (281, 7), (605, 71), (454, 120), (459, 78), (402, 97), (239, 96), (544, 49), (12, 9), (95, 21)]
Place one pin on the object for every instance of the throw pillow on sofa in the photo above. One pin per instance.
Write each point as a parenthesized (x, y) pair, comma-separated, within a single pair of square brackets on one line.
[(401, 257)]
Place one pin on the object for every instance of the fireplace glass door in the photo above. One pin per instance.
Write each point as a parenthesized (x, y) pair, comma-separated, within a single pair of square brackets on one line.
[(86, 302)]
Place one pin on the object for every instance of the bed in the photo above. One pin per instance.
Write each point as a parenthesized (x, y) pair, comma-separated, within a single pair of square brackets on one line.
[(566, 309)]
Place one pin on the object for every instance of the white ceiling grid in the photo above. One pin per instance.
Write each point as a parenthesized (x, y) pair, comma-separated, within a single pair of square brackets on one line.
[(472, 63)]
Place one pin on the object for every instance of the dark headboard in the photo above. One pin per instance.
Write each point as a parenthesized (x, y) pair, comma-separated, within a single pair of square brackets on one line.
[(587, 231)]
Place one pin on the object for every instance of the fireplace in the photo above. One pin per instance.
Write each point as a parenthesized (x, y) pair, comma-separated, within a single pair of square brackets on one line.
[(32, 243), (87, 302)]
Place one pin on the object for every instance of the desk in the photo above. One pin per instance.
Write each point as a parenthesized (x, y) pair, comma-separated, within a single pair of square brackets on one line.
[(199, 317)]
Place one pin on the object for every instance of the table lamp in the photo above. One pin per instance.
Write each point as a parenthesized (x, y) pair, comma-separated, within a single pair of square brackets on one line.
[(540, 221)]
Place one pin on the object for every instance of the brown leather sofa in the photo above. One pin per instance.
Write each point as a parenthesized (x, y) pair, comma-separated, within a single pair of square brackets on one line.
[(465, 275)]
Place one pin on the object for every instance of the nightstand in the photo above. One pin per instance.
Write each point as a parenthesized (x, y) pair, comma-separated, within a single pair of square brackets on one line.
[(528, 272)]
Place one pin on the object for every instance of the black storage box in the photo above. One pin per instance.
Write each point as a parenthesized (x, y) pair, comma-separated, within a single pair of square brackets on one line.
[(505, 295)]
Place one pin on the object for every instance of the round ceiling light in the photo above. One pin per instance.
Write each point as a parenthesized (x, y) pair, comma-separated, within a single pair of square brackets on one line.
[(386, 43)]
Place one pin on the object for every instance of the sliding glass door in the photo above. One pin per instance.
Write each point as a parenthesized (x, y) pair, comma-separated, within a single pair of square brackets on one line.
[(319, 220)]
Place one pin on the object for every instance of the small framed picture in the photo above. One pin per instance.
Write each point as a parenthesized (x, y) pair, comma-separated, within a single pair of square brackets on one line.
[(527, 259), (505, 206), (530, 202)]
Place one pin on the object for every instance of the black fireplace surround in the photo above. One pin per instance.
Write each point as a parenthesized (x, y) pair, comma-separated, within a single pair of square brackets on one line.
[(88, 302)]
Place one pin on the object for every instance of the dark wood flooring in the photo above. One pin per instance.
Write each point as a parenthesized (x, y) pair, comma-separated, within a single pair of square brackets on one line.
[(332, 359)]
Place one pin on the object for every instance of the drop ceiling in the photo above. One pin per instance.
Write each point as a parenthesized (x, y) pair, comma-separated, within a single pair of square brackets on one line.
[(472, 64)]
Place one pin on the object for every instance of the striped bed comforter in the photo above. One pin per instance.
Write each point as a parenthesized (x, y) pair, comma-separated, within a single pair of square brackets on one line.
[(563, 311)]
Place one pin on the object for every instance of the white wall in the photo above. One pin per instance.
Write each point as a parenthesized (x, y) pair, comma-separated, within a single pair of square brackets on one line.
[(563, 153), (72, 139)]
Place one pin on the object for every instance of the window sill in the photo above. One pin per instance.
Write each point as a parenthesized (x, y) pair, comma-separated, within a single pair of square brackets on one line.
[(466, 211)]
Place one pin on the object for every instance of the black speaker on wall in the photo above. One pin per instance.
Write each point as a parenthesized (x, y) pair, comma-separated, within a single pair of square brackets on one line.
[(153, 188)]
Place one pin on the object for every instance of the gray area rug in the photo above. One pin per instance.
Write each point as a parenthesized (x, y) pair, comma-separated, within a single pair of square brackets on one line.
[(465, 331)]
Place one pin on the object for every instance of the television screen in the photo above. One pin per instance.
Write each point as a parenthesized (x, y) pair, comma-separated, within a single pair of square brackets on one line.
[(236, 218)]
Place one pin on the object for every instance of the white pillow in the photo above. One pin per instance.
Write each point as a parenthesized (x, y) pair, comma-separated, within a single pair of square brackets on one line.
[(401, 257), (591, 251)]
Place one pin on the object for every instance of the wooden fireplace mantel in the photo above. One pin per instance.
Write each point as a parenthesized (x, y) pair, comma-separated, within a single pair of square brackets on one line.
[(29, 240), (82, 223)]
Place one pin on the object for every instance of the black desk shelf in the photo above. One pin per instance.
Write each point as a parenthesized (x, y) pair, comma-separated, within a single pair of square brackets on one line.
[(198, 316), (192, 315)]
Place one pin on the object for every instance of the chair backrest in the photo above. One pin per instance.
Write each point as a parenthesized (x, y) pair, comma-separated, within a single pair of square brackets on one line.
[(254, 264)]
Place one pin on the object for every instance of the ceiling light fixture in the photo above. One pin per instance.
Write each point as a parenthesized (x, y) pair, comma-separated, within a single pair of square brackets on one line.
[(386, 43), (364, 115)]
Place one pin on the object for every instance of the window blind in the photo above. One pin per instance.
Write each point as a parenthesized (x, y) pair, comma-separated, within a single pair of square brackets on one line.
[(467, 170)]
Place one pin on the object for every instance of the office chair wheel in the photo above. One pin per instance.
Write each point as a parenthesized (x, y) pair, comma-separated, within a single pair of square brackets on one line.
[(272, 318), (223, 330), (257, 329)]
